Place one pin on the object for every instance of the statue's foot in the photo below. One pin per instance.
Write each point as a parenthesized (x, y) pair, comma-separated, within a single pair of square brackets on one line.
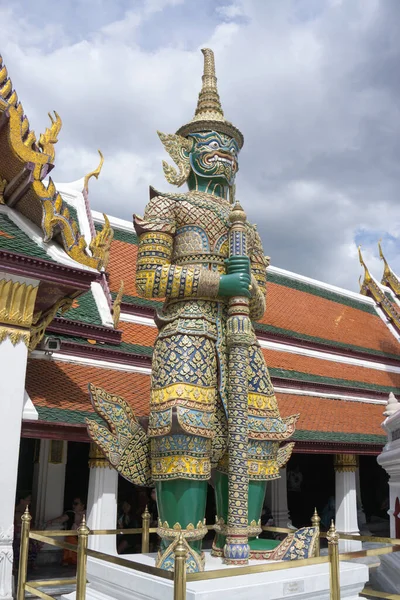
[(194, 561), (297, 545)]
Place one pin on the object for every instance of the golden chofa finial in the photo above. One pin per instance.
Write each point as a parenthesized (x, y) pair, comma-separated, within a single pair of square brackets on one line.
[(209, 115), (367, 275), (94, 173), (387, 270)]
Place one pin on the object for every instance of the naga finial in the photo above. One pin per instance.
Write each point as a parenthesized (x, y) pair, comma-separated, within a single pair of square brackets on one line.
[(367, 275), (94, 173), (387, 270)]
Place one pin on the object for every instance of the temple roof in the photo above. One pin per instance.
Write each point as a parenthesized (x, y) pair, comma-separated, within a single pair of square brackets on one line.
[(331, 354), (64, 399)]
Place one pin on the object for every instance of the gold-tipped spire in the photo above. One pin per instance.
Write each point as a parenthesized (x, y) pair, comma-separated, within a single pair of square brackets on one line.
[(209, 114)]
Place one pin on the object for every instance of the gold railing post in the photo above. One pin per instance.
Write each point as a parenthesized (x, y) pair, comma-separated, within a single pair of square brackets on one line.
[(145, 531), (23, 553), (180, 570), (315, 522), (334, 572), (83, 535)]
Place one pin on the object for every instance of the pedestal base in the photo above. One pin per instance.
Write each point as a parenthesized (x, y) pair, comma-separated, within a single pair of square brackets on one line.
[(111, 582)]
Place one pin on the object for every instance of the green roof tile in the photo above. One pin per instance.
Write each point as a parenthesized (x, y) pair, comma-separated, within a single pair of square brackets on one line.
[(86, 311), (61, 415), (338, 436), (13, 239)]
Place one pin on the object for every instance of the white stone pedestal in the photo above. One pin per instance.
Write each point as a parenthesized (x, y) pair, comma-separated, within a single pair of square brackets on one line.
[(111, 582)]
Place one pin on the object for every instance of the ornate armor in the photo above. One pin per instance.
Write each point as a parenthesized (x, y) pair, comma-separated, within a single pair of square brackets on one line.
[(207, 360)]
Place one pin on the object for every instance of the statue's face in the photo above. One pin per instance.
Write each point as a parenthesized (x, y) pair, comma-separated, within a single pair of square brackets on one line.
[(214, 155)]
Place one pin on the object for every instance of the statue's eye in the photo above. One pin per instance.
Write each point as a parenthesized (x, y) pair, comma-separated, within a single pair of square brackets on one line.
[(233, 151), (214, 145)]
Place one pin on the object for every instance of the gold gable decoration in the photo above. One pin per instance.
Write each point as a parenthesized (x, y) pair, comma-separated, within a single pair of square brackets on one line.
[(369, 287), (29, 162), (116, 307), (389, 278), (101, 244)]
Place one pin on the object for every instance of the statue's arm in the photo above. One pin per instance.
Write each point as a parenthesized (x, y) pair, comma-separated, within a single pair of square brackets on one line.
[(156, 275), (258, 265)]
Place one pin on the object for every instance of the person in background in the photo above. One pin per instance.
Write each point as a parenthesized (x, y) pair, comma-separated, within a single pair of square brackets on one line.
[(71, 519), (328, 513), (128, 543), (22, 502), (153, 510)]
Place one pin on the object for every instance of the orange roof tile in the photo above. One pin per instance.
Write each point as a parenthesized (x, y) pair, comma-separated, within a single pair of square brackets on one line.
[(324, 414), (328, 368), (62, 385), (133, 333), (306, 313), (287, 308), (121, 266), (65, 385)]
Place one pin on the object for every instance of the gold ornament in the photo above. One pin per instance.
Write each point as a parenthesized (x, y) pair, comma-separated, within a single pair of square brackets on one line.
[(94, 173), (178, 148), (101, 244), (345, 462), (116, 308)]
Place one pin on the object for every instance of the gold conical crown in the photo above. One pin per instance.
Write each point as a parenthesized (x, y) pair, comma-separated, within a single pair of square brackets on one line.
[(209, 114)]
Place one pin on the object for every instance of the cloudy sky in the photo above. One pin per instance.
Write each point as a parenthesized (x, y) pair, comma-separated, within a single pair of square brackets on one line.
[(314, 85)]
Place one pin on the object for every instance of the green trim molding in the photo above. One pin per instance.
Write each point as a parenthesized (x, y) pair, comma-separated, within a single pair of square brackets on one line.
[(77, 417)]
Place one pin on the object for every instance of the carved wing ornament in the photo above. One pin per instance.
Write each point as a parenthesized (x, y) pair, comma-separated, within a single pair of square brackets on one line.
[(178, 148), (124, 442)]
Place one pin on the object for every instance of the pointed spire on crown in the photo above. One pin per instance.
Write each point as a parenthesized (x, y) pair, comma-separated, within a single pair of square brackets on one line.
[(209, 115), (209, 105)]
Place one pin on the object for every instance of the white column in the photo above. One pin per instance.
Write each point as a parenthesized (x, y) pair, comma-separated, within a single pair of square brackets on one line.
[(102, 501), (361, 518), (346, 500), (279, 503), (49, 481), (17, 300), (48, 492)]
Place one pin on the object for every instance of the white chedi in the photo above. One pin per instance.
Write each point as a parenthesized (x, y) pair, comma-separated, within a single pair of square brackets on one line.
[(392, 406)]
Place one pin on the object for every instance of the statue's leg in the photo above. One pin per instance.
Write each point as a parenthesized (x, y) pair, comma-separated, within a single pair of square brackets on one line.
[(181, 501), (182, 406), (257, 490)]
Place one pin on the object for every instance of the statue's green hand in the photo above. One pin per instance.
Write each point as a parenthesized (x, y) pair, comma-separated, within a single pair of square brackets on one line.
[(235, 284), (238, 264)]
